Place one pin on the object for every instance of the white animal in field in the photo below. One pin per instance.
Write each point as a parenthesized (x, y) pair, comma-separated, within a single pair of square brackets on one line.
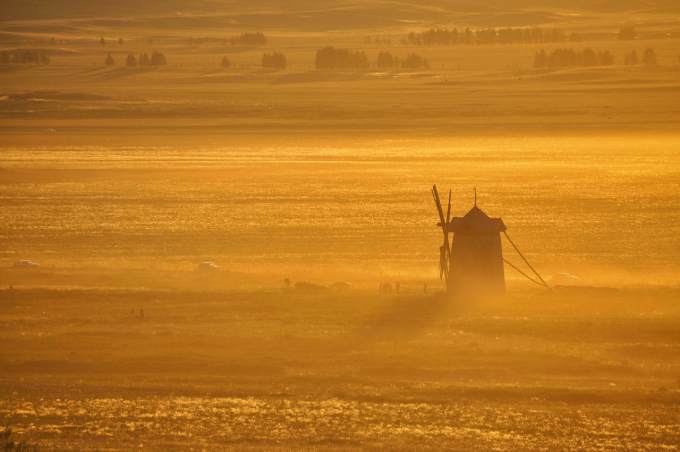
[(207, 266), (25, 263), (565, 279), (340, 286)]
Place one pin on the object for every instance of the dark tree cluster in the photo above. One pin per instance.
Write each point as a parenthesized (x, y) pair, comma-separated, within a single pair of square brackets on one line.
[(274, 60), (226, 63), (24, 56), (444, 36), (156, 59), (412, 61), (332, 58), (648, 58), (570, 57), (249, 39), (386, 61)]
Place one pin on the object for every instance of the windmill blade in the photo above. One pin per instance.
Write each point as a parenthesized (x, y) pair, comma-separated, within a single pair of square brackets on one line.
[(445, 249), (448, 209), (435, 195), (446, 233)]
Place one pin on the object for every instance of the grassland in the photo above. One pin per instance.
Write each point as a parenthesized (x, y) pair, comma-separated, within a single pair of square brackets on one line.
[(469, 89), (118, 181), (287, 369), (252, 208)]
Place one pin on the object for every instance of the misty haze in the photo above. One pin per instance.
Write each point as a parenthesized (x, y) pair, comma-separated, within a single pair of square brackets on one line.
[(340, 225)]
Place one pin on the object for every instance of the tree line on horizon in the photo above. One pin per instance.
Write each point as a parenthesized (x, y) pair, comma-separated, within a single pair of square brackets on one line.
[(560, 58), (628, 32), (249, 39), (274, 60), (508, 35), (332, 58), (648, 58), (155, 59), (570, 57), (445, 36), (386, 60), (24, 56)]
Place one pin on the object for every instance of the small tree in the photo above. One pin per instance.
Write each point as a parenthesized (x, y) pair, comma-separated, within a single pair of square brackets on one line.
[(109, 60), (332, 58), (649, 57), (385, 60), (274, 60), (540, 59), (414, 61), (120, 41), (226, 63), (631, 59), (144, 59), (158, 59), (131, 61), (102, 41), (589, 57), (249, 39)]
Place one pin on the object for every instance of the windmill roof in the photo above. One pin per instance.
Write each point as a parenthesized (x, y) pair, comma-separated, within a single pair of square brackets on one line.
[(476, 222)]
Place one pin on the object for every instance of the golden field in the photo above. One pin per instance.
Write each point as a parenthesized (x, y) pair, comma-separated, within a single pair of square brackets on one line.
[(119, 181)]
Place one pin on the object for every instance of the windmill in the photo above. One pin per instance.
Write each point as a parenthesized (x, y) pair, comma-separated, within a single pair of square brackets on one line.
[(473, 261)]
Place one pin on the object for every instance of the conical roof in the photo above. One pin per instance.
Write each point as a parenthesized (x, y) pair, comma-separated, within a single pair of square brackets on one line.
[(476, 222)]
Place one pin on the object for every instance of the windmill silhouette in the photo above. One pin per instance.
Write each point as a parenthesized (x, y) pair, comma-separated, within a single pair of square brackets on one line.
[(472, 262)]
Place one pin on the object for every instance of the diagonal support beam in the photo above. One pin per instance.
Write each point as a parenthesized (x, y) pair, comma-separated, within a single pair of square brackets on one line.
[(525, 260), (522, 273)]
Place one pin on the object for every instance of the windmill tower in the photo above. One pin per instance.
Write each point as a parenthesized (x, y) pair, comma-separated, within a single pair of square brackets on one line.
[(473, 262)]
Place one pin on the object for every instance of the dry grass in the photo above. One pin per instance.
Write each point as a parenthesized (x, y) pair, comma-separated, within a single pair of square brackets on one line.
[(281, 368), (118, 181)]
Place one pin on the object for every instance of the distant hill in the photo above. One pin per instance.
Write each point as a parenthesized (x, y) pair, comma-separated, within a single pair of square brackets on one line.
[(58, 9), (383, 11)]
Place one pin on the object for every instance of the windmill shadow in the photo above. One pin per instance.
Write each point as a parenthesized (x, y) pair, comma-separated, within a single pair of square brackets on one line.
[(407, 317)]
